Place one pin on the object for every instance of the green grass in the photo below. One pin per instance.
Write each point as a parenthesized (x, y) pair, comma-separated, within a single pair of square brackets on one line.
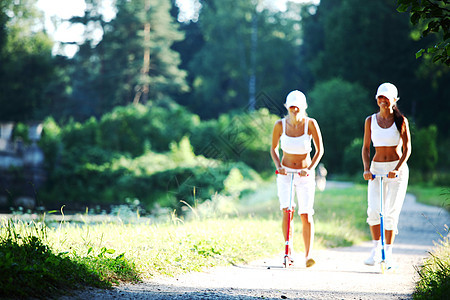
[(30, 267), (434, 282), (436, 196), (174, 247), (434, 275), (103, 251)]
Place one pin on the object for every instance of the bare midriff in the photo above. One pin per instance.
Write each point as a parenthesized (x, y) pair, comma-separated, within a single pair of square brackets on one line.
[(296, 161), (386, 154)]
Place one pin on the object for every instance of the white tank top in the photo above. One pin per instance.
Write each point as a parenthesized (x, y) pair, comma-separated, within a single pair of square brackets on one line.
[(384, 137), (295, 145)]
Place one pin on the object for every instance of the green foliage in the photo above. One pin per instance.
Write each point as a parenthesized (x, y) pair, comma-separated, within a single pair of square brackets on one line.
[(237, 136), (21, 132), (434, 282), (374, 51), (182, 152), (424, 155), (28, 262), (93, 166), (114, 72), (179, 246), (206, 237), (352, 161), (238, 45), (434, 17), (138, 127), (26, 62), (338, 106), (235, 183)]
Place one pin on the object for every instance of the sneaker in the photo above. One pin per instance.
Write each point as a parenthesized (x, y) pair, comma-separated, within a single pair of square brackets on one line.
[(370, 261), (374, 257), (391, 264), (310, 262)]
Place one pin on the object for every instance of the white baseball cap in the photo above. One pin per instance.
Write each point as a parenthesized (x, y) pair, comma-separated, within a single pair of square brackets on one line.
[(296, 98), (388, 90)]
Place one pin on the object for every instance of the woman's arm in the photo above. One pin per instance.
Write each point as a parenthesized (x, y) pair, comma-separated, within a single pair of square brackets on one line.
[(276, 133), (318, 143), (365, 153), (406, 148)]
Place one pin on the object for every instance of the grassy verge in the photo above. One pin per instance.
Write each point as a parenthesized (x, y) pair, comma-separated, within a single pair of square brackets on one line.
[(30, 267), (434, 275), (436, 196), (434, 282), (222, 231)]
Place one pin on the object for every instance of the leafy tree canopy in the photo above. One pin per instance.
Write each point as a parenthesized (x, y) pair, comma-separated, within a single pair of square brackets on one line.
[(433, 17)]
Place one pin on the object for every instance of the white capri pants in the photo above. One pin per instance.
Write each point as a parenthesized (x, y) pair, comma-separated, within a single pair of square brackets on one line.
[(302, 186), (394, 191)]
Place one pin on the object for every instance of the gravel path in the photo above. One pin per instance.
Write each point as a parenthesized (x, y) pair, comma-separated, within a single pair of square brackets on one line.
[(338, 274)]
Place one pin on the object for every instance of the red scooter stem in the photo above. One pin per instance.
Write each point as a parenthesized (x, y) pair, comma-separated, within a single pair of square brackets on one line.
[(286, 250), (289, 211)]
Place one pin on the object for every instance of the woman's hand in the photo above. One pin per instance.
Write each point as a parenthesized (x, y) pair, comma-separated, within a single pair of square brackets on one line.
[(393, 174), (368, 175), (304, 172), (281, 171)]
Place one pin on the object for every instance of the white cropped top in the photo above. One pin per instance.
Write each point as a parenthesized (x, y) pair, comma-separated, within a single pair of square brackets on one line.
[(384, 137), (296, 145)]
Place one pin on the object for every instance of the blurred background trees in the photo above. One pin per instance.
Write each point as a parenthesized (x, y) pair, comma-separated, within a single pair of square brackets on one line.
[(26, 62), (127, 106)]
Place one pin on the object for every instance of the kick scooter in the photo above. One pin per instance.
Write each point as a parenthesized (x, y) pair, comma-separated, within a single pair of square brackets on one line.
[(287, 259), (383, 253)]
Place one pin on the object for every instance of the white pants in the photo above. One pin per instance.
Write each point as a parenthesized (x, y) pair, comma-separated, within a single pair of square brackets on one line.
[(302, 186), (394, 191)]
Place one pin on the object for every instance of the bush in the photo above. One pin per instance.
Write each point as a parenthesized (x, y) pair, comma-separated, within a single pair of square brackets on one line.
[(131, 129), (109, 178), (51, 143), (144, 152), (243, 136)]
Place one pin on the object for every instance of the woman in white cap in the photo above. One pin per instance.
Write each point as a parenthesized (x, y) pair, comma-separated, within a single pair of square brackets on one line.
[(294, 133), (388, 130)]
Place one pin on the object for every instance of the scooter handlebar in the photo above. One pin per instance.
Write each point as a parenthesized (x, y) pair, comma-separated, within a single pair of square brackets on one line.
[(381, 175), (276, 172)]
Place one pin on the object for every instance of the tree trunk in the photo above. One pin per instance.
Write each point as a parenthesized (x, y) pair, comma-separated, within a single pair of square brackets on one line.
[(143, 88)]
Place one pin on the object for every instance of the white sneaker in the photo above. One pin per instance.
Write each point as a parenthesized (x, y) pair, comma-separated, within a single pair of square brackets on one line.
[(374, 257), (391, 265)]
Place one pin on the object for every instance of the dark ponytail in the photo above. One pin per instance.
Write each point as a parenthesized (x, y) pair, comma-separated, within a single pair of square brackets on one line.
[(398, 118)]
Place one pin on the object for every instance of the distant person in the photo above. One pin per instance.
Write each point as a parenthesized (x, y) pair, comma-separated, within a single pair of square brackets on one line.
[(295, 133), (321, 177), (388, 130)]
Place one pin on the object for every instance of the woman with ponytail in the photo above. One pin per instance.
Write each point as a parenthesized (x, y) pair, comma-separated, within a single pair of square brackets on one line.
[(388, 130)]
